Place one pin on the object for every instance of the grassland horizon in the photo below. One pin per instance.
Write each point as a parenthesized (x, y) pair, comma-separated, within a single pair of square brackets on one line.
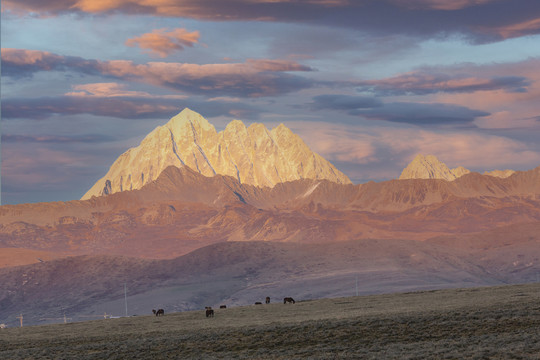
[(500, 322)]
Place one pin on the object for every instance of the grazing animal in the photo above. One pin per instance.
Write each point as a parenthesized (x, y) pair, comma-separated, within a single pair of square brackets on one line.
[(258, 303), (268, 299), (288, 300), (160, 312), (209, 313), (223, 306)]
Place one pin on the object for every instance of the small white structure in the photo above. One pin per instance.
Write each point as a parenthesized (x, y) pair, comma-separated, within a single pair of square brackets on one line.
[(3, 326)]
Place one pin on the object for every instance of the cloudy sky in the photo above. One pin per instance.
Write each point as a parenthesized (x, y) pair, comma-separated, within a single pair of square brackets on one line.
[(367, 84)]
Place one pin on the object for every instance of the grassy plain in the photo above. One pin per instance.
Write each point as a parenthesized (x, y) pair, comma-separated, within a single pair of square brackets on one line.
[(477, 323)]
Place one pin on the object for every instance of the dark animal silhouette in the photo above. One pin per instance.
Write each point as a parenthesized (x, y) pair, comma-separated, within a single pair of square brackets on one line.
[(258, 303), (268, 299), (160, 312), (209, 313), (223, 306), (288, 300)]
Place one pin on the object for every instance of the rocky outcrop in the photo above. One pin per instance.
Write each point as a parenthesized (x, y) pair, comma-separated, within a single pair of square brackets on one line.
[(500, 173), (429, 167), (253, 155)]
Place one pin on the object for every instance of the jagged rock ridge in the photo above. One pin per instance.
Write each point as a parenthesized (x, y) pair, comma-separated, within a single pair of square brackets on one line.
[(254, 155)]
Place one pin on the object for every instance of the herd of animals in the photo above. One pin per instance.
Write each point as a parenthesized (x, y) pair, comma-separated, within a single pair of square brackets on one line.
[(210, 311)]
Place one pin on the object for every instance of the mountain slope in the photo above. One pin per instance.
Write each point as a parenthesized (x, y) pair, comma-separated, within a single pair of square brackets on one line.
[(253, 155), (235, 273)]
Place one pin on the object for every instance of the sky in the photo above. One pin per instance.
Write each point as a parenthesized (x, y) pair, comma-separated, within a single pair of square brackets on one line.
[(367, 84)]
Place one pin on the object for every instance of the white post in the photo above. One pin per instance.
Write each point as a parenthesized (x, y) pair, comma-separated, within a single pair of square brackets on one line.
[(125, 298)]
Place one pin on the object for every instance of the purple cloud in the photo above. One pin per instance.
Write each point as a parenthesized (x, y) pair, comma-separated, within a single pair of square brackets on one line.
[(429, 82), (119, 107), (55, 139), (253, 78), (399, 112), (480, 20), (344, 102), (421, 114)]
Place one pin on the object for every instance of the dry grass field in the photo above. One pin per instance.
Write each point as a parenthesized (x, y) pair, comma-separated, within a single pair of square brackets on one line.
[(477, 323)]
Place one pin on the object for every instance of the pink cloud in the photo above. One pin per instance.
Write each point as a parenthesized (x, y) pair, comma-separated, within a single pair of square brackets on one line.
[(440, 4), (44, 59), (107, 90), (163, 43), (516, 30), (253, 78), (509, 109)]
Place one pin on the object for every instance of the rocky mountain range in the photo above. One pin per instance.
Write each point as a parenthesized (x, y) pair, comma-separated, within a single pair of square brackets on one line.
[(187, 237), (183, 210), (253, 155)]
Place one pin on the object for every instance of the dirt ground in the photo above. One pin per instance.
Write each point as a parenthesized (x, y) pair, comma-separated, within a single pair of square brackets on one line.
[(477, 323)]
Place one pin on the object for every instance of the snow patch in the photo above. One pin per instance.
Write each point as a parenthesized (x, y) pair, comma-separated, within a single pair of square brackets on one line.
[(310, 190)]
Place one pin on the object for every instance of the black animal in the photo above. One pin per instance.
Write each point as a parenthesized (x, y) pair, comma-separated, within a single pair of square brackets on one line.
[(268, 299), (288, 300), (223, 306), (160, 312), (209, 312), (258, 303)]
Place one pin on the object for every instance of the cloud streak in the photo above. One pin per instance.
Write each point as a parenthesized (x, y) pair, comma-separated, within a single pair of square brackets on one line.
[(55, 139), (19, 63), (162, 43), (421, 114), (428, 82), (253, 78), (122, 107), (108, 90), (398, 112)]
